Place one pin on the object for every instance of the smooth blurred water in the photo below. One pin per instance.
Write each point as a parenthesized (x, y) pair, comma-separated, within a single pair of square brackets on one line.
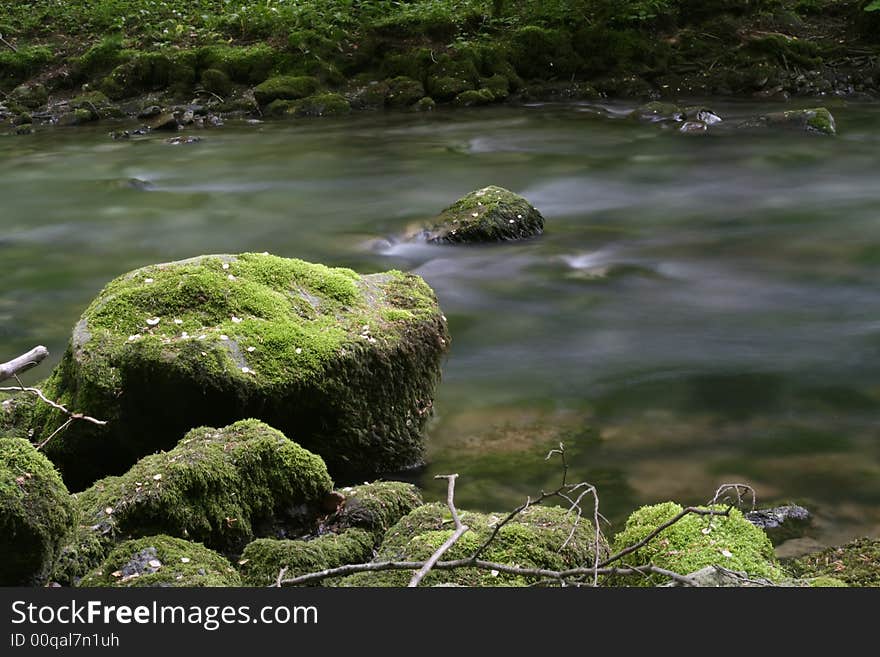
[(702, 309)]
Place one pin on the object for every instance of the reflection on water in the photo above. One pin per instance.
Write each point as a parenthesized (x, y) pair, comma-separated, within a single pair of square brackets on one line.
[(700, 310)]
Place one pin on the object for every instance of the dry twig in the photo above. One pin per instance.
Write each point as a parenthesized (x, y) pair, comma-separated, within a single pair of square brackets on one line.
[(460, 529)]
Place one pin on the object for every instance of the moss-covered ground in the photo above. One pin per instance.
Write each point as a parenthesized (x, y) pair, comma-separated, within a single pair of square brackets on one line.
[(463, 51)]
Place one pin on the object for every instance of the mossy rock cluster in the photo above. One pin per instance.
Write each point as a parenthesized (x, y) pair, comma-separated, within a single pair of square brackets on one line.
[(162, 561), (490, 214), (221, 487), (537, 538), (342, 363), (351, 534), (36, 514), (856, 563), (693, 543)]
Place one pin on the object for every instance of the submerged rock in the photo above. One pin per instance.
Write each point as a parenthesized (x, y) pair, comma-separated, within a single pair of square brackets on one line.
[(36, 514), (217, 486), (816, 120), (491, 214), (657, 111), (782, 522), (164, 121), (345, 364), (695, 542), (162, 561), (537, 538)]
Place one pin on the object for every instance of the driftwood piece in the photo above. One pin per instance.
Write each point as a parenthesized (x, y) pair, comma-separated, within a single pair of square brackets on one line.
[(23, 363)]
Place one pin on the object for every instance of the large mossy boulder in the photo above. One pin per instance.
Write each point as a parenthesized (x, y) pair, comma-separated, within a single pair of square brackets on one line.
[(490, 214), (351, 533), (220, 487), (856, 563), (344, 364), (162, 561), (693, 543), (36, 513), (539, 537)]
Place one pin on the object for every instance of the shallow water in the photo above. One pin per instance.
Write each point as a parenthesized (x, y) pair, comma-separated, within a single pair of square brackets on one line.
[(702, 309)]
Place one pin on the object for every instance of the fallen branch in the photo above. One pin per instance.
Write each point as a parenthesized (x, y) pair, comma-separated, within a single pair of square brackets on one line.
[(70, 414), (23, 363), (34, 357), (6, 43), (555, 575), (460, 529)]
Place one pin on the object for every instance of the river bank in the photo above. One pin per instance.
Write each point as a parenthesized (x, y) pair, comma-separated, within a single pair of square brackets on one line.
[(82, 62)]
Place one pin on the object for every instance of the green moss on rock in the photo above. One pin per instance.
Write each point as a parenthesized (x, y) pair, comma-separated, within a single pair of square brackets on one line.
[(695, 542), (535, 539), (263, 559), (97, 104), (490, 214), (36, 513), (30, 96), (217, 486), (538, 52), (856, 563), (216, 81), (309, 349), (377, 506), (475, 97), (354, 530), (162, 561), (404, 91), (285, 87), (447, 87), (243, 64), (329, 104), (816, 120)]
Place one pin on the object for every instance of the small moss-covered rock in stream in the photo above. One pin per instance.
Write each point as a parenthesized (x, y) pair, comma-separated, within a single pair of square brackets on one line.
[(329, 104), (36, 513), (447, 88), (216, 82), (345, 364), (490, 214), (404, 91), (816, 120), (656, 111), (856, 563), (217, 486), (263, 559), (30, 96), (97, 104), (285, 87), (475, 97), (426, 104), (537, 538), (695, 542), (162, 561)]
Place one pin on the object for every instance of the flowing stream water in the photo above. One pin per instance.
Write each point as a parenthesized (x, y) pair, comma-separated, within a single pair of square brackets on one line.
[(701, 309)]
